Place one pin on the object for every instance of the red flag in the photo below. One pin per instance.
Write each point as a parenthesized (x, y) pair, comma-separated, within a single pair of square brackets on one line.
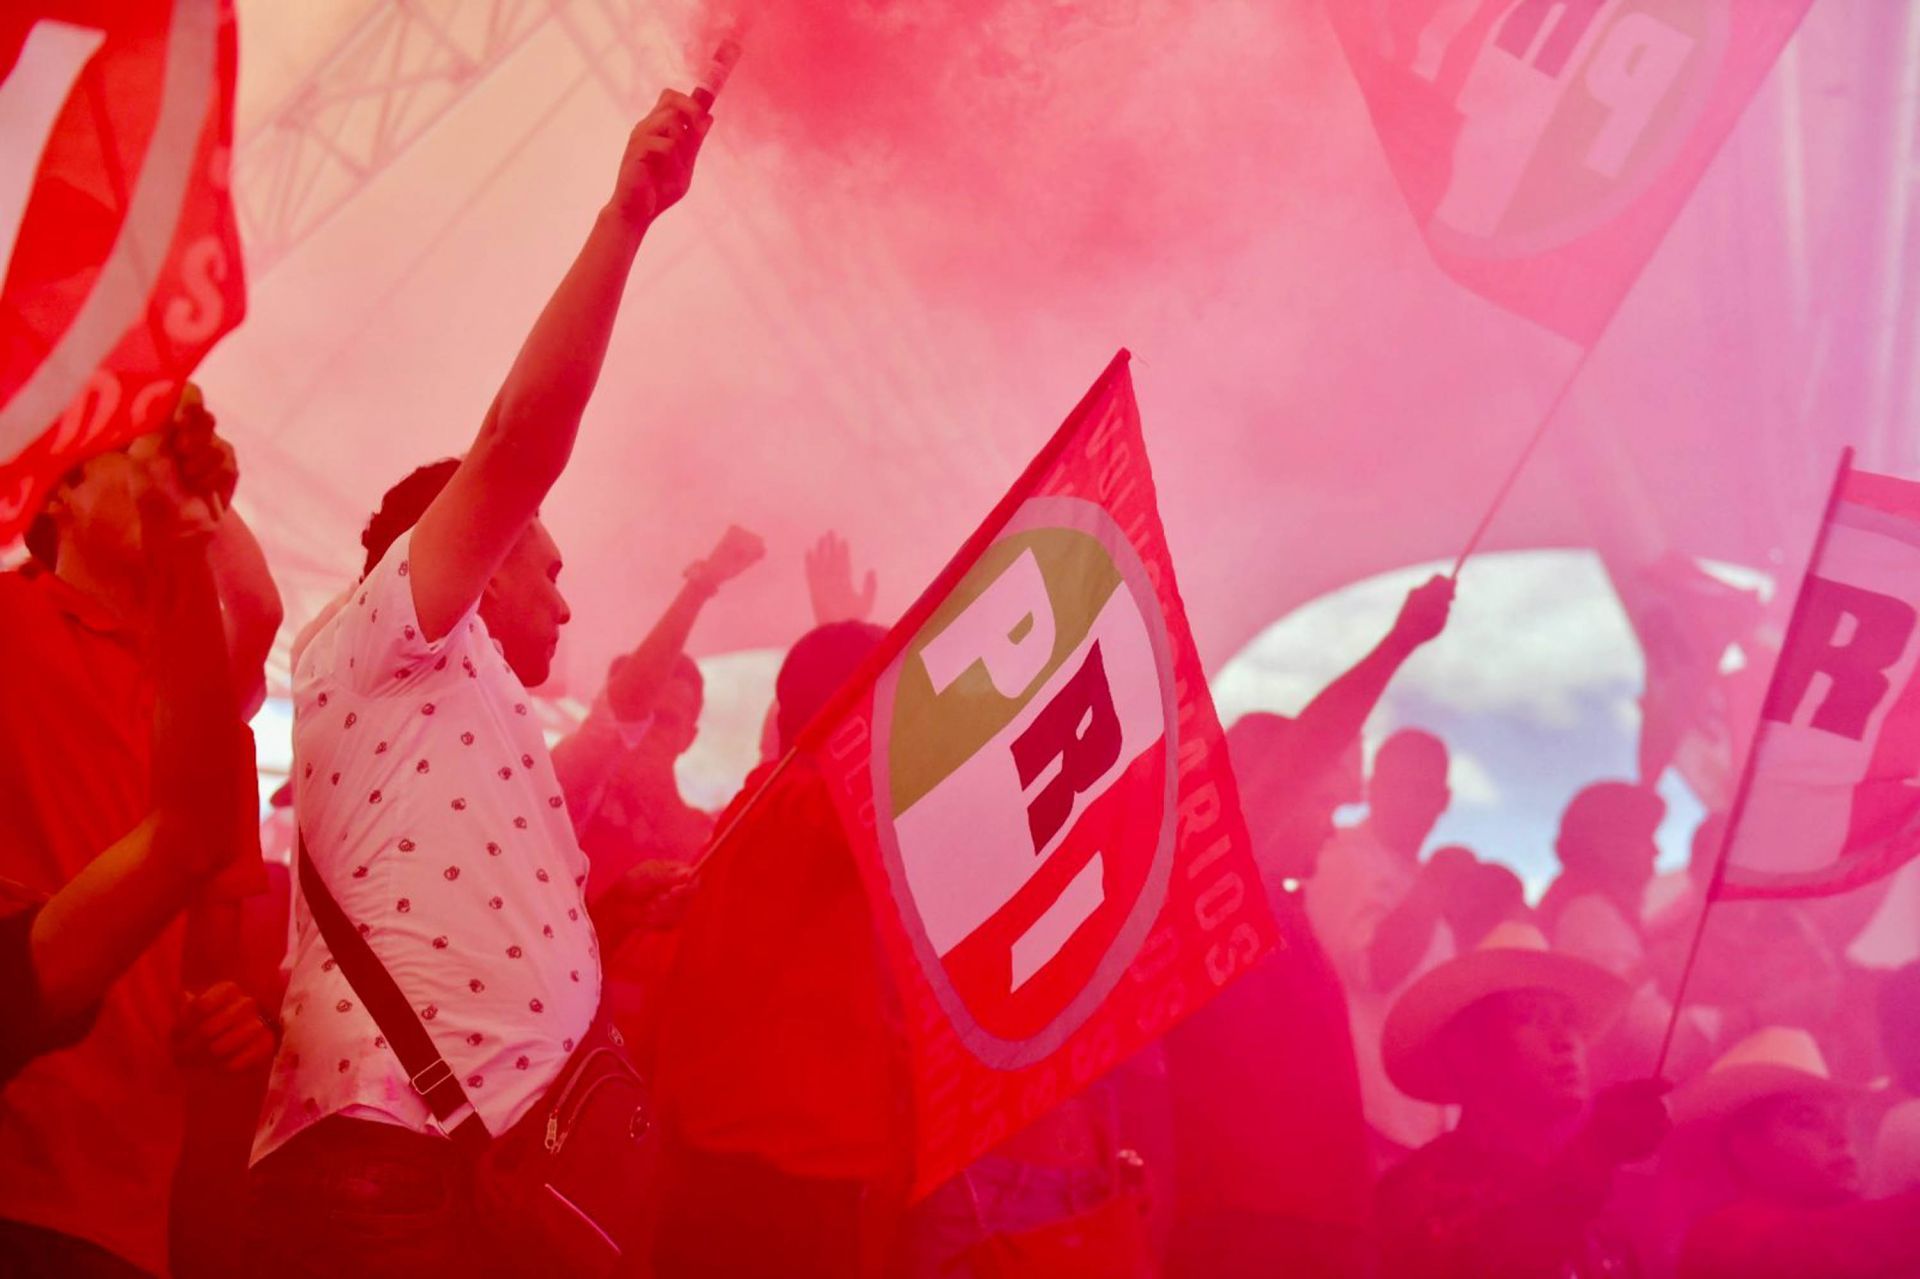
[(121, 257), (1035, 787), (1835, 794), (1545, 145)]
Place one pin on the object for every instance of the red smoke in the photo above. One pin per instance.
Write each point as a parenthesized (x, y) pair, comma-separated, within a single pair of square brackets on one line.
[(1044, 142)]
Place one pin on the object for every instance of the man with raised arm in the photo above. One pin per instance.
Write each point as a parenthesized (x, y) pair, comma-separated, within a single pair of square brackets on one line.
[(429, 809), (111, 823), (1271, 1171), (617, 772)]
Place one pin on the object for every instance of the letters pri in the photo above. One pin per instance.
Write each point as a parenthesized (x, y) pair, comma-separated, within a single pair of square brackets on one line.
[(1024, 795), (1835, 796), (1034, 783), (1545, 146)]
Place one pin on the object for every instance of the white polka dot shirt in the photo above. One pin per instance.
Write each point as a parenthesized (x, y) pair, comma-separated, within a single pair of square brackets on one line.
[(430, 808)]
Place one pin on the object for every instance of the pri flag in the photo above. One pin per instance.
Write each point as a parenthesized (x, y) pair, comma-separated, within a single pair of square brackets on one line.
[(1834, 799), (1545, 146), (122, 265), (1035, 786)]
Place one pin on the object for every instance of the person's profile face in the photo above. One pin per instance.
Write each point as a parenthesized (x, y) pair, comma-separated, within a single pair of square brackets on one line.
[(1524, 1049), (1797, 1148), (524, 608), (98, 510), (1409, 794), (676, 719)]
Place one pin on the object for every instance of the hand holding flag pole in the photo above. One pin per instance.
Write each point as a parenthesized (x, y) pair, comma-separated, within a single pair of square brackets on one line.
[(1745, 787)]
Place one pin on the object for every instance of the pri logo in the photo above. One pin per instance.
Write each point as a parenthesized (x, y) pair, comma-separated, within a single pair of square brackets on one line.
[(1023, 780), (1568, 110)]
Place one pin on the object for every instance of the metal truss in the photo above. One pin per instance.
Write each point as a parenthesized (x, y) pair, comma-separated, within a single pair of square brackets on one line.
[(624, 43), (395, 73)]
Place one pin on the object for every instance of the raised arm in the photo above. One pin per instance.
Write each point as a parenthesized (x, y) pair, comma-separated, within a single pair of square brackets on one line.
[(249, 603), (636, 679), (586, 758), (1334, 718), (250, 606), (528, 434), (101, 921)]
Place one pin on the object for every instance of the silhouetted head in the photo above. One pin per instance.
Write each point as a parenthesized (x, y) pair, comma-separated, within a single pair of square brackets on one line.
[(1408, 791), (522, 604), (1794, 1148), (676, 713), (1479, 897), (1606, 835), (815, 668), (673, 723), (1289, 800)]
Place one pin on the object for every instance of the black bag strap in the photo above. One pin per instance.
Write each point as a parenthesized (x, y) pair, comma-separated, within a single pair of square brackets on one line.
[(426, 1069)]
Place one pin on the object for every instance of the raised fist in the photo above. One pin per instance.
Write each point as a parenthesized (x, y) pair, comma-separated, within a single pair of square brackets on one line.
[(1424, 615), (657, 168), (738, 551)]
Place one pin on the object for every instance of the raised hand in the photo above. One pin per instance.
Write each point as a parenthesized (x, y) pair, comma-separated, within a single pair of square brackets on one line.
[(187, 474), (830, 583), (1424, 615), (206, 461), (738, 551), (657, 168)]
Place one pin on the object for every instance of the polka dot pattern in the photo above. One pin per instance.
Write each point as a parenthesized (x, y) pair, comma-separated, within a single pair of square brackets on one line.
[(446, 838)]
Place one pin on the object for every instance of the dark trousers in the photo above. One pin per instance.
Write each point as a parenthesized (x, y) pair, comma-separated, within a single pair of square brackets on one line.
[(28, 1252), (349, 1198), (737, 1217)]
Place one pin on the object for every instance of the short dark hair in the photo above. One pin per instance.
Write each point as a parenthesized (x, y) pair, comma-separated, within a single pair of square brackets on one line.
[(402, 508), (1603, 810), (43, 535), (816, 666), (43, 541)]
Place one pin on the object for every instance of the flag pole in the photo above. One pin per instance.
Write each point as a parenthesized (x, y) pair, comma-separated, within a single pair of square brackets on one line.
[(1520, 462), (1739, 806), (753, 801)]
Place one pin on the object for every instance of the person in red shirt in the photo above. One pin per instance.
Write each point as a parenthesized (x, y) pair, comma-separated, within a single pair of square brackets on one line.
[(61, 955), (1778, 1126), (617, 771), (89, 1136), (1271, 1162), (781, 1075)]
